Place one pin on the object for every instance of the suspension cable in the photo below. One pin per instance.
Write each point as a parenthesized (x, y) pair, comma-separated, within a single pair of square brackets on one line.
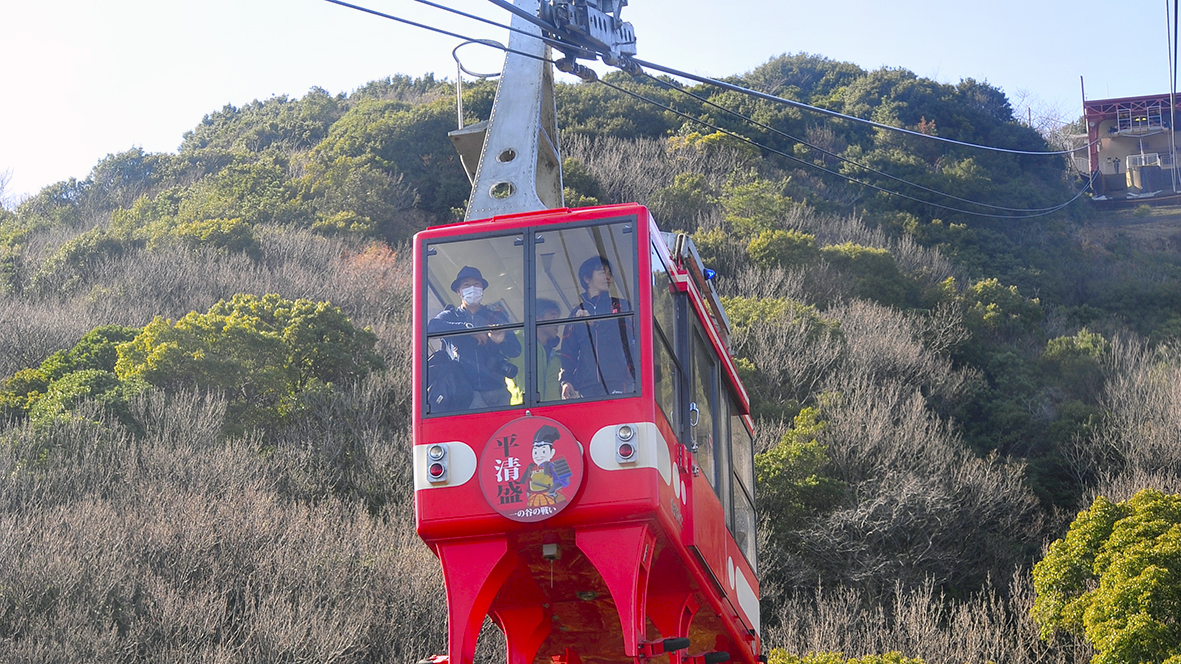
[(834, 155), (852, 118), (837, 174), (590, 75)]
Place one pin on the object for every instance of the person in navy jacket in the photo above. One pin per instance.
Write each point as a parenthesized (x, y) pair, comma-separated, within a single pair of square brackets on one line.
[(483, 355), (598, 355)]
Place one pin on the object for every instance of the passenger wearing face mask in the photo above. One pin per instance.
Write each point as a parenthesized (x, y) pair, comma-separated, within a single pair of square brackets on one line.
[(483, 355)]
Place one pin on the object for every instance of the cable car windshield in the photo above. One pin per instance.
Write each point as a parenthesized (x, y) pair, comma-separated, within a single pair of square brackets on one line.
[(528, 318), (588, 273)]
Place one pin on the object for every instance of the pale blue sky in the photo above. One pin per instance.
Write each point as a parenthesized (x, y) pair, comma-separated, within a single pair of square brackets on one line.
[(82, 79)]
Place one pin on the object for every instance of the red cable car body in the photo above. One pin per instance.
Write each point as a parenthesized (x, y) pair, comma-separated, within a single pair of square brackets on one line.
[(595, 512)]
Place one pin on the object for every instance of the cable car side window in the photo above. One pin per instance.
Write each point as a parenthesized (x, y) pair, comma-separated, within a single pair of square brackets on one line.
[(590, 272), (742, 453), (664, 319), (664, 304), (744, 524), (666, 381), (703, 408), (723, 449), (474, 317)]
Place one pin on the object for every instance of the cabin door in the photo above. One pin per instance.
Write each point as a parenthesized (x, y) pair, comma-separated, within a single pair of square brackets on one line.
[(709, 519)]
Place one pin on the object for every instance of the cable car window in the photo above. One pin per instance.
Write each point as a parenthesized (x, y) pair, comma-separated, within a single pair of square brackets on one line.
[(744, 523), (664, 317), (666, 380), (549, 339), (664, 305), (590, 272), (742, 451), (563, 255), (745, 528), (723, 453), (474, 319), (702, 409)]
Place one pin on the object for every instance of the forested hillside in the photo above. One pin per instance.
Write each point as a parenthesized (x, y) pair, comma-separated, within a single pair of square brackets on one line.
[(205, 365)]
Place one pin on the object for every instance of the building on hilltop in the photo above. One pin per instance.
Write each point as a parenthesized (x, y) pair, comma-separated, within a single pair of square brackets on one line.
[(1130, 148)]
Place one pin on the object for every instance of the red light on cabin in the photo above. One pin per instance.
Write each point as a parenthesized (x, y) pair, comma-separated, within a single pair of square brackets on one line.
[(436, 470)]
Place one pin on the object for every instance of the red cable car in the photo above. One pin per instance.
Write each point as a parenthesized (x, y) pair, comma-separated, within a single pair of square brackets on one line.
[(583, 461), (583, 455)]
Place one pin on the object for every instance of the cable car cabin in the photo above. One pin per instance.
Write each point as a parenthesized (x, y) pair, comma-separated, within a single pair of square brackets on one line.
[(583, 460)]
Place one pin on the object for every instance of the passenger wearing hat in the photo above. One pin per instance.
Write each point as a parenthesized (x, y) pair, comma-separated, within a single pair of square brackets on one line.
[(483, 355)]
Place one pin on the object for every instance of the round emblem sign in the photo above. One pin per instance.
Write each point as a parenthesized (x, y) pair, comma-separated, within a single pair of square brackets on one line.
[(530, 469)]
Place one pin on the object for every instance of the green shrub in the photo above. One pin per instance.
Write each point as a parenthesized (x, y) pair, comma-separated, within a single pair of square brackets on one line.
[(990, 307), (96, 352), (76, 260), (1114, 579), (579, 183), (792, 483), (344, 224), (97, 349), (1074, 362), (65, 394), (875, 273), (744, 312), (260, 352), (679, 203), (783, 249), (233, 235), (754, 207)]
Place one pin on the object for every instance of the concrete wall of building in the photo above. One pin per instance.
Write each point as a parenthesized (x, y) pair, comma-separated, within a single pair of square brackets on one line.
[(1114, 148)]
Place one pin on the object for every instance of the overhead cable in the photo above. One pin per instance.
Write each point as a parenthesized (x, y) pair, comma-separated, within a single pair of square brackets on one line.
[(589, 75), (517, 11), (760, 146), (871, 169), (486, 42), (816, 109), (570, 49)]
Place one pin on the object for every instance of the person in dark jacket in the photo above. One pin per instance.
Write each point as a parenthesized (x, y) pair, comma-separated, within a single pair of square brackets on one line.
[(482, 355), (598, 356)]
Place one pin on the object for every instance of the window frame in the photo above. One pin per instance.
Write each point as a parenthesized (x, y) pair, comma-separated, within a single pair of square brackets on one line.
[(737, 488), (660, 336), (528, 325), (696, 335)]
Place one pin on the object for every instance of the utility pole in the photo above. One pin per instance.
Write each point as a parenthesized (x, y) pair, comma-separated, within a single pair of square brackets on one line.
[(1173, 93)]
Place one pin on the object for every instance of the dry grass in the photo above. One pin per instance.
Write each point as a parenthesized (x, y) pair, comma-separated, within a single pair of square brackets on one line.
[(1158, 231), (1139, 445), (179, 546), (989, 626)]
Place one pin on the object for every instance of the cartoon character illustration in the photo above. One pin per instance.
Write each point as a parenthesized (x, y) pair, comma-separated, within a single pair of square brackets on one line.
[(546, 476)]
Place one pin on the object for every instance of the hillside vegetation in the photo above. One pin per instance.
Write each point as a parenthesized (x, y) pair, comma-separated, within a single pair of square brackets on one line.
[(206, 384)]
